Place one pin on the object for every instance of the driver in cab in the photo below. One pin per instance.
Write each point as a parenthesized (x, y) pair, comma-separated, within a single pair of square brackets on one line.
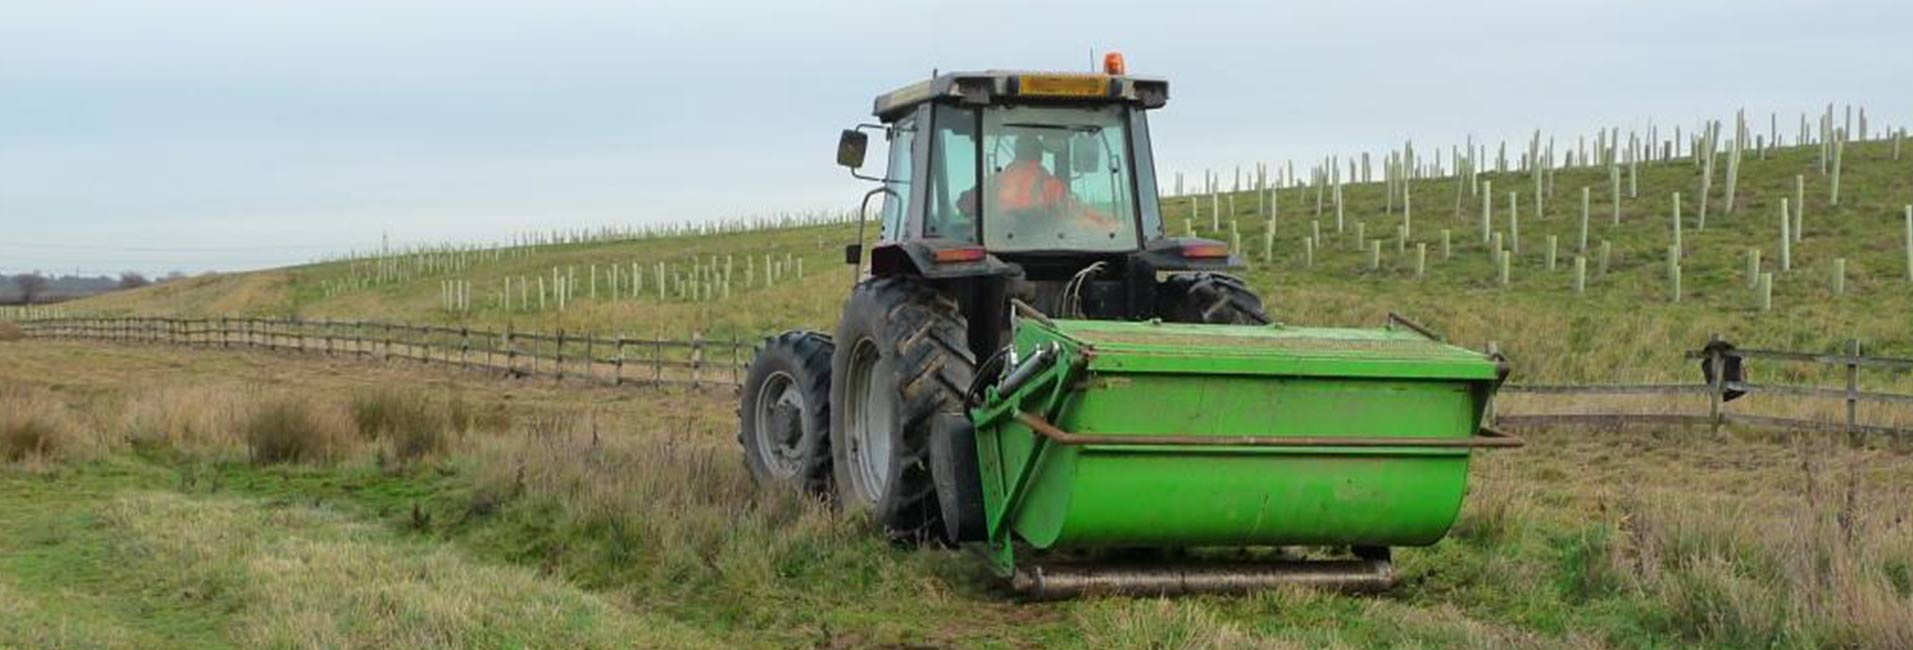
[(1026, 189)]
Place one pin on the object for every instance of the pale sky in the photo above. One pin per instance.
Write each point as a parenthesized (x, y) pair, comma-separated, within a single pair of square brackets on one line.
[(202, 134)]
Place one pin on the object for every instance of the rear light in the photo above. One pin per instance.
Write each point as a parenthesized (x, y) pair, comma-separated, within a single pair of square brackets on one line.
[(958, 255), (1205, 250)]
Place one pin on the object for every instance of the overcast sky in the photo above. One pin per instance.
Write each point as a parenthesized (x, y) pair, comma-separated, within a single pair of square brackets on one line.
[(241, 134)]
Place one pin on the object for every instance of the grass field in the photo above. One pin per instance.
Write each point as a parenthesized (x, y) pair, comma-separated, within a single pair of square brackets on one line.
[(160, 497), (150, 514)]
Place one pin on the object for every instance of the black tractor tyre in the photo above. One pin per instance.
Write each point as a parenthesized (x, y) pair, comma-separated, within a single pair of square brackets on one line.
[(783, 412), (902, 358), (959, 481), (1208, 298)]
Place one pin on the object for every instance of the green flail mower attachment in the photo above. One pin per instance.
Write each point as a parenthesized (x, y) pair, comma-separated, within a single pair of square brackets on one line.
[(1208, 449)]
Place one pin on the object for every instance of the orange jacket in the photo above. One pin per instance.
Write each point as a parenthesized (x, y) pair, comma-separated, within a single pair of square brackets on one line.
[(1026, 185)]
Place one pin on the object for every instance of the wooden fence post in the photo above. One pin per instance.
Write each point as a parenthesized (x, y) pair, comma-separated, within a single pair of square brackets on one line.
[(1853, 388), (697, 357), (1716, 382), (617, 362), (464, 346), (560, 357), (511, 353)]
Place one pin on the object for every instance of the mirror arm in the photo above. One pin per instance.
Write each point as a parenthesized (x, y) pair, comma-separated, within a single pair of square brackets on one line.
[(863, 217)]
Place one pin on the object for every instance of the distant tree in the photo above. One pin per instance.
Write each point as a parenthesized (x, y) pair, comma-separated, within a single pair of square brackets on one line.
[(174, 275), (33, 286), (133, 280)]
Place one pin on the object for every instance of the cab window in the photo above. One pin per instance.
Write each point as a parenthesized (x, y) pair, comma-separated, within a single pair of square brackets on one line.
[(951, 209), (896, 202)]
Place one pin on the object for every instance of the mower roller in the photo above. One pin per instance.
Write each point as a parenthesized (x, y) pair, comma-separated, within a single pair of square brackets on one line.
[(1033, 369)]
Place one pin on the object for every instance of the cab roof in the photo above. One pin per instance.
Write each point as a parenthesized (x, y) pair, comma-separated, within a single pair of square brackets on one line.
[(994, 86)]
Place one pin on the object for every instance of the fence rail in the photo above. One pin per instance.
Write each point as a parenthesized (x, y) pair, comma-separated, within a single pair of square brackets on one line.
[(612, 360), (1725, 380), (698, 361)]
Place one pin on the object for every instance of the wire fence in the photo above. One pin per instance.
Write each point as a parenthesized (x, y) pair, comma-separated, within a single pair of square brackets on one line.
[(1728, 383), (616, 360), (1734, 397)]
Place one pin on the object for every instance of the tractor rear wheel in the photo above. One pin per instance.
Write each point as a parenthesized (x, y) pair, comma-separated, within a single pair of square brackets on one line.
[(902, 358), (1208, 298), (784, 413)]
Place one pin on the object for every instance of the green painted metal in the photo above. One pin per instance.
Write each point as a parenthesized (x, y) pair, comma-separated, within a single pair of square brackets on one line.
[(1115, 378)]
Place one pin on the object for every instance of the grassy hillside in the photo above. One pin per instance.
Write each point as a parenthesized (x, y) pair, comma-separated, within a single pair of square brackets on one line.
[(1625, 326)]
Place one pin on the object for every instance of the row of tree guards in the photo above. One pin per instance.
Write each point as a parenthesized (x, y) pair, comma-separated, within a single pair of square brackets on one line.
[(704, 280), (388, 265), (1705, 149)]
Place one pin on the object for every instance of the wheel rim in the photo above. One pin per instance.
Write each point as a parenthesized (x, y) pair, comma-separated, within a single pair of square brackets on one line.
[(778, 423), (869, 415)]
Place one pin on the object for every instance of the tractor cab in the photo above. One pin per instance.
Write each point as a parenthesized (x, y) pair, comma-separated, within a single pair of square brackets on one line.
[(1032, 176)]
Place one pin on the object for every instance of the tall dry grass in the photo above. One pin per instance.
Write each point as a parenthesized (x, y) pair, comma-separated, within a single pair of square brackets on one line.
[(228, 421), (1831, 566), (36, 427), (671, 517), (413, 424), (292, 429), (200, 421)]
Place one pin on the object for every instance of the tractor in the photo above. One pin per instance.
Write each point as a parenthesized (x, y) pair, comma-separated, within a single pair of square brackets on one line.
[(1031, 366)]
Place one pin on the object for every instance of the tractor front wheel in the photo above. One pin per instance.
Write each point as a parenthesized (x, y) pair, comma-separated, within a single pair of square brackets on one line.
[(1208, 298), (784, 413), (902, 358)]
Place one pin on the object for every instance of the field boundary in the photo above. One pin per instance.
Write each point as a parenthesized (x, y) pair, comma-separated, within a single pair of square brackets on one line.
[(1724, 370), (699, 361), (696, 361)]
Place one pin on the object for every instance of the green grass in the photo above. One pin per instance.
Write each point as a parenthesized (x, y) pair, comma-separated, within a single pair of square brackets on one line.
[(590, 504), (127, 552)]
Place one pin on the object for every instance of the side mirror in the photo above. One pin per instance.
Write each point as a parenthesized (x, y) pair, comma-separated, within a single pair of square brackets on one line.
[(850, 148), (854, 254)]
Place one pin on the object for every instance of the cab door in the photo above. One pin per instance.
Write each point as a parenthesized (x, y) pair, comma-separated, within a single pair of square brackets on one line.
[(901, 206)]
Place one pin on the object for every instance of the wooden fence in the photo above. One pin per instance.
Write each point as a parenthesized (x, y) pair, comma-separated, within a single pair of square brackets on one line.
[(699, 362), (1719, 387), (615, 361)]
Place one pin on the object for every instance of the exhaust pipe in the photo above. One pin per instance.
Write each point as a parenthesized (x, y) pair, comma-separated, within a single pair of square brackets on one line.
[(1070, 581)]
